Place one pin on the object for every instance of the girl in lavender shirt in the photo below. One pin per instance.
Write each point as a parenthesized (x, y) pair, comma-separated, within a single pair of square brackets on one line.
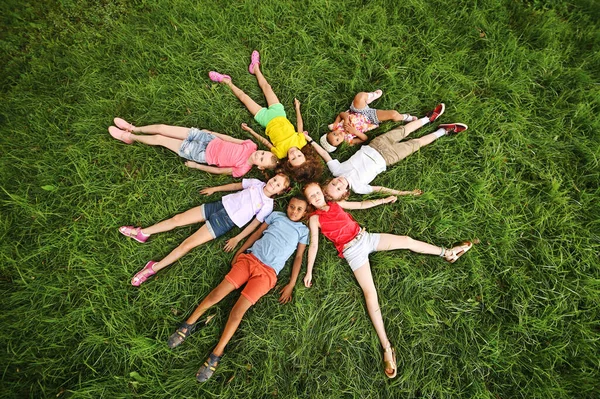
[(254, 201)]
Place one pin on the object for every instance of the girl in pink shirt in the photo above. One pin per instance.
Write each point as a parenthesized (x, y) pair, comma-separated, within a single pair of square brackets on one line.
[(229, 155), (355, 244), (254, 201)]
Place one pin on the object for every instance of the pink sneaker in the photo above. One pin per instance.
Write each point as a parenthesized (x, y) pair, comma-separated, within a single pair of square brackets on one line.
[(254, 60), (218, 77), (143, 274), (134, 232), (437, 112), (123, 124), (119, 134), (454, 127)]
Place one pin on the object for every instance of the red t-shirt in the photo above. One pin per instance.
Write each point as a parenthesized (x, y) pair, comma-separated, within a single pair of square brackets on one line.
[(338, 226), (226, 154)]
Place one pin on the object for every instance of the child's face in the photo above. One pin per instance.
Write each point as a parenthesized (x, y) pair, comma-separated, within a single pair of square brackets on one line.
[(264, 159), (336, 188), (296, 209), (314, 195), (276, 185), (296, 157), (335, 138)]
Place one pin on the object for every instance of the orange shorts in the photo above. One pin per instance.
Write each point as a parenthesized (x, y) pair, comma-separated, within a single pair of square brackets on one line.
[(259, 278)]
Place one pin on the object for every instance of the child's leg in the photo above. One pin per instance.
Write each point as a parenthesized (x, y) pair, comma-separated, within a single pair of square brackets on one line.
[(163, 141), (176, 132), (365, 280), (191, 216), (362, 99), (265, 87), (198, 238), (389, 242), (215, 296), (235, 317), (392, 115), (252, 106)]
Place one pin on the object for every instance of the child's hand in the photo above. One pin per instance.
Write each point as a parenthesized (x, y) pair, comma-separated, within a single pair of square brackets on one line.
[(305, 133), (296, 103), (245, 127), (231, 244), (308, 280), (390, 199), (286, 294), (208, 191), (416, 192)]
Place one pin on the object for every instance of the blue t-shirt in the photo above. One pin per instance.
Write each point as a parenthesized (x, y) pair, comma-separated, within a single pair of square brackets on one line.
[(279, 240)]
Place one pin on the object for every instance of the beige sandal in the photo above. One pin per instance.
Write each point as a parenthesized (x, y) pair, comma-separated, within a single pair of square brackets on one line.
[(452, 254), (390, 364)]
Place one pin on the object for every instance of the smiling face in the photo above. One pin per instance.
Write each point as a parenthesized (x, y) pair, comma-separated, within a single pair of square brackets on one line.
[(314, 195), (296, 157), (264, 159), (296, 209), (335, 138), (337, 188), (276, 184)]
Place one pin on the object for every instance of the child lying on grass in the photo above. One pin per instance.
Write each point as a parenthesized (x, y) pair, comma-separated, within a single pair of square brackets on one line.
[(256, 264)]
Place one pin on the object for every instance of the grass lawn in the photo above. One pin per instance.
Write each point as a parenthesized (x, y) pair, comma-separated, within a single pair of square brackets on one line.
[(518, 316)]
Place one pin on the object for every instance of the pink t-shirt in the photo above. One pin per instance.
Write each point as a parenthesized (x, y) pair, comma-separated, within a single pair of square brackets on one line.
[(243, 205), (226, 154), (359, 121)]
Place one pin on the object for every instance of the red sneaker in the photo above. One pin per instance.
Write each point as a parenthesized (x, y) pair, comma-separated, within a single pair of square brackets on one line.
[(437, 112), (454, 127)]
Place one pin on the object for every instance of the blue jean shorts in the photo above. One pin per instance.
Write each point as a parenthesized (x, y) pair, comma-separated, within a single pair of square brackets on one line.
[(194, 146), (218, 221)]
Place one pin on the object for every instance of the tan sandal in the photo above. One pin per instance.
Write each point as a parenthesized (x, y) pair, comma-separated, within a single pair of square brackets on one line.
[(390, 364), (452, 254)]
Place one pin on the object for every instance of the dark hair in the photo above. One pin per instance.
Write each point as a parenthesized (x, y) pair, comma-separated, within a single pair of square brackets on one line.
[(309, 207), (310, 170), (328, 197)]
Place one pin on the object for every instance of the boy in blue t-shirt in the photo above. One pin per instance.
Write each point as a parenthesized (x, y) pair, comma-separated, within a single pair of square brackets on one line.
[(256, 264)]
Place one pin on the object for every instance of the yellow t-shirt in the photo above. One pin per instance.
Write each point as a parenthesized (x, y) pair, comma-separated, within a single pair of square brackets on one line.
[(283, 136)]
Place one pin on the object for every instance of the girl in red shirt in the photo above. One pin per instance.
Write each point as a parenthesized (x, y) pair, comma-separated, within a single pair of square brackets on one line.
[(355, 244)]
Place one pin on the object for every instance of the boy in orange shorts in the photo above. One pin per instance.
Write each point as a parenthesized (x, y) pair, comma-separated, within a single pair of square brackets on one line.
[(255, 264)]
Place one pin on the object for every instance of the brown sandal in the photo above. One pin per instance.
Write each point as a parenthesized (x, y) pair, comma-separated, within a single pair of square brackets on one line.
[(390, 364)]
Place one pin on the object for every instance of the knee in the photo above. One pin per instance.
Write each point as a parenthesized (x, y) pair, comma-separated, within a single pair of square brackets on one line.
[(161, 129), (370, 294), (238, 312), (187, 246)]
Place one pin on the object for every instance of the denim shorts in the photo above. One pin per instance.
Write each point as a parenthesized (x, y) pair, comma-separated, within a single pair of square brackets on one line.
[(368, 112), (194, 146), (358, 254), (218, 221)]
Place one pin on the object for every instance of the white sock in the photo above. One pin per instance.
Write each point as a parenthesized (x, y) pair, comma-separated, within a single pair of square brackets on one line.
[(440, 132), (424, 120)]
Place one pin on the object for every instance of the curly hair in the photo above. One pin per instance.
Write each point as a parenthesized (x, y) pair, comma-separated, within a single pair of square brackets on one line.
[(329, 198), (310, 170)]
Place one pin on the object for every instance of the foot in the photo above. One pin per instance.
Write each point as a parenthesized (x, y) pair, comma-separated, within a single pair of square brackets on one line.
[(389, 361), (452, 254), (123, 124), (454, 127), (254, 60), (374, 96), (183, 331), (143, 274), (218, 77), (134, 232), (208, 368), (437, 112), (119, 134), (408, 118)]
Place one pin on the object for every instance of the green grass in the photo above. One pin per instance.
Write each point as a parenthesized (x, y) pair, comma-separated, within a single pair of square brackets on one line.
[(516, 317)]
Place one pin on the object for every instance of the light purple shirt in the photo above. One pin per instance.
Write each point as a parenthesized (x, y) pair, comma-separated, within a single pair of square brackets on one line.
[(243, 205)]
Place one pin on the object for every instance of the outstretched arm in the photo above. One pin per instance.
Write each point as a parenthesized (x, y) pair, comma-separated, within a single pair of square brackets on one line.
[(257, 136), (225, 187), (368, 203), (299, 122), (225, 137), (286, 292), (209, 169), (313, 224), (251, 240), (233, 242), (385, 190), (324, 154)]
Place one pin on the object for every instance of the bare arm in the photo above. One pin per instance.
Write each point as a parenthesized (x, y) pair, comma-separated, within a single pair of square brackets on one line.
[(225, 137), (352, 130), (286, 292), (299, 122), (209, 169), (368, 203), (324, 154), (385, 190), (313, 224), (233, 242), (225, 187), (251, 240), (257, 136)]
